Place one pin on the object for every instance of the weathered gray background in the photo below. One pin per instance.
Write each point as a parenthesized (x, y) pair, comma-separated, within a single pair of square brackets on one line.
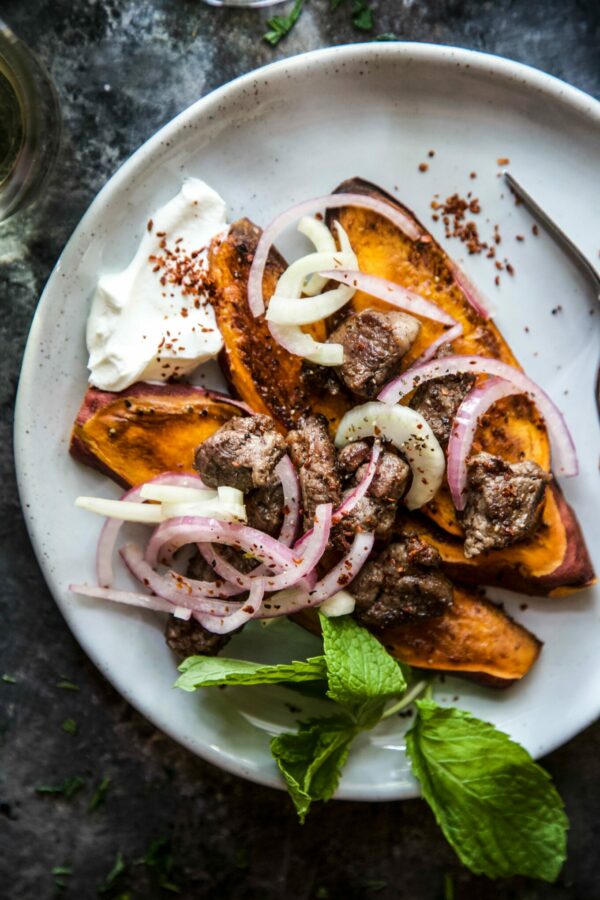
[(123, 68)]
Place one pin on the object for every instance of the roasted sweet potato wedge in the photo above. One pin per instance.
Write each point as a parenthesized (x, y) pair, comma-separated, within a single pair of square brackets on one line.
[(259, 371), (474, 638), (554, 562), (138, 433)]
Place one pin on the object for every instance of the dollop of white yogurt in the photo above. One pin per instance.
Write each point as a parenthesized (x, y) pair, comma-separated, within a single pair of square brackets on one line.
[(153, 320)]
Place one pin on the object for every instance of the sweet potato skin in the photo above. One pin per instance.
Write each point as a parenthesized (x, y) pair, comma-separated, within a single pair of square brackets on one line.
[(136, 434), (474, 638), (258, 370)]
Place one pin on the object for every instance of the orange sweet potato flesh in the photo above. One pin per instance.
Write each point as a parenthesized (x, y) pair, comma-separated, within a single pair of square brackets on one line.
[(259, 371), (473, 638), (147, 429)]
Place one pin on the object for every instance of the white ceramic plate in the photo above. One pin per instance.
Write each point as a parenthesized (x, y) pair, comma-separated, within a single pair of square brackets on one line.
[(287, 132)]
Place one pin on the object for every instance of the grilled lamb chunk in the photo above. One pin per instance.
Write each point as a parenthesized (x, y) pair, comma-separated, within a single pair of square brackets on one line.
[(438, 400), (503, 504), (313, 454), (374, 343), (192, 639), (241, 454), (264, 507), (377, 510), (401, 584)]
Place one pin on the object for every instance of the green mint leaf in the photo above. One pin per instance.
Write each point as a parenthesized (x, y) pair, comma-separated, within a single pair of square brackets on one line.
[(311, 760), (359, 669), (204, 671), (9, 679), (70, 726), (114, 874), (280, 26), (99, 794), (68, 788), (497, 808), (362, 15)]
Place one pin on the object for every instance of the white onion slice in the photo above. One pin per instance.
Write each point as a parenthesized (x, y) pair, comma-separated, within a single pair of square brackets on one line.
[(565, 456), (125, 510), (340, 604), (319, 234), (464, 426), (291, 282), (308, 207), (170, 493), (306, 310), (130, 598), (410, 433), (111, 528), (298, 343), (361, 488)]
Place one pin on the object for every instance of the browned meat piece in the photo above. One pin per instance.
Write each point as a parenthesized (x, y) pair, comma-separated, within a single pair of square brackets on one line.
[(241, 454), (313, 454), (264, 507), (374, 343), (438, 400), (503, 504), (392, 477), (369, 514), (402, 583), (192, 639), (377, 510)]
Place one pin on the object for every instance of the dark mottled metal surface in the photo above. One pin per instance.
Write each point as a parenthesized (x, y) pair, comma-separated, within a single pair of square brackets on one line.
[(123, 68)]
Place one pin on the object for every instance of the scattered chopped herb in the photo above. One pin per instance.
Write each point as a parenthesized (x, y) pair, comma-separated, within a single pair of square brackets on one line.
[(65, 685), (374, 884), (70, 726), (448, 886), (362, 15), (322, 893), (159, 860), (9, 679), (280, 26), (99, 794), (62, 870), (386, 36), (68, 788), (240, 860), (115, 873)]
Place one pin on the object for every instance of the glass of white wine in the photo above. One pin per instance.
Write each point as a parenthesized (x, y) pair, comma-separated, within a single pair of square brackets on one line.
[(29, 124)]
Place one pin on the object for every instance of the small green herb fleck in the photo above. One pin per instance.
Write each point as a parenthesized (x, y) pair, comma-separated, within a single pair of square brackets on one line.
[(62, 870), (70, 726), (448, 886), (374, 884), (65, 685), (117, 870), (362, 15), (386, 36), (9, 679), (99, 794), (69, 787), (280, 26), (322, 893), (159, 860)]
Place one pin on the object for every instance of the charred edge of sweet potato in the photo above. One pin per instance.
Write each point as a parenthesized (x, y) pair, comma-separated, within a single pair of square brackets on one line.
[(474, 639), (258, 370), (102, 412)]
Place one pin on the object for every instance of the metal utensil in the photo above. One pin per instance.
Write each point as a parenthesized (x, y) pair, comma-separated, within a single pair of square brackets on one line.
[(566, 244)]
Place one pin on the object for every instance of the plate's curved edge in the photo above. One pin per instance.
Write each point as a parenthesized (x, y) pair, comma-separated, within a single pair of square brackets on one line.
[(487, 63)]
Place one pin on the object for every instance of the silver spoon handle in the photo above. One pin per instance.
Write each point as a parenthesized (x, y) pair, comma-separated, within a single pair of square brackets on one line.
[(556, 232)]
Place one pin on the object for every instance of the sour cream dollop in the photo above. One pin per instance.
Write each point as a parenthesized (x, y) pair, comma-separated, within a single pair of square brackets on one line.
[(153, 320)]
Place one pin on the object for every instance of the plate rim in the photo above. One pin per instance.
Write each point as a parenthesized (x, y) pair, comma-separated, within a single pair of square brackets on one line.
[(482, 62)]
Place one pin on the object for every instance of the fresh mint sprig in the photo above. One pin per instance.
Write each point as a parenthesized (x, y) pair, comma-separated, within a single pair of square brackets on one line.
[(497, 808)]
